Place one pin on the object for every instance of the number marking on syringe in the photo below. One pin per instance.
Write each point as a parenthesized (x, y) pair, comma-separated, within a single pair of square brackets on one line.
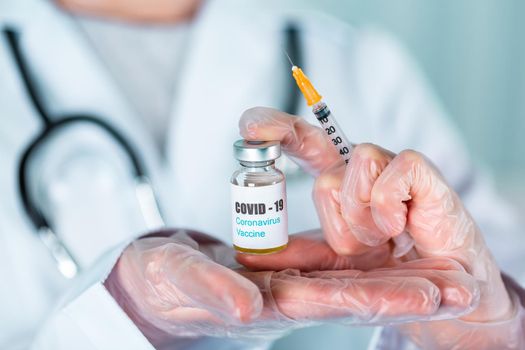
[(334, 135)]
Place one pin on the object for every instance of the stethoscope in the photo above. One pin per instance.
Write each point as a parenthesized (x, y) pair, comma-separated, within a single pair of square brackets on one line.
[(149, 206)]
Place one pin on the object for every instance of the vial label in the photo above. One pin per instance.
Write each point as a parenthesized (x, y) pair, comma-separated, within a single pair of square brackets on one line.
[(259, 216)]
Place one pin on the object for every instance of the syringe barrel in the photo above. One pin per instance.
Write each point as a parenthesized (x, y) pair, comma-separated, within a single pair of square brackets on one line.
[(332, 130)]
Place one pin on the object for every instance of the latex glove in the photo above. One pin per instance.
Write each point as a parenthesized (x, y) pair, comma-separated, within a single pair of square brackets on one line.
[(176, 287), (172, 290), (457, 291), (378, 196)]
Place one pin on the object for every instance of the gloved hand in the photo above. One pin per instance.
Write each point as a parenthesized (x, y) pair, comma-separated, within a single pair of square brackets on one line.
[(378, 196), (176, 286)]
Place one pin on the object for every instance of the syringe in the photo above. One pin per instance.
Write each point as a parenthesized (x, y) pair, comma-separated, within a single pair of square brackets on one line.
[(403, 242)]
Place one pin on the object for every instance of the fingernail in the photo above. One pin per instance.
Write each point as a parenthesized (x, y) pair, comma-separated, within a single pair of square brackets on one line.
[(461, 299), (251, 129), (239, 315)]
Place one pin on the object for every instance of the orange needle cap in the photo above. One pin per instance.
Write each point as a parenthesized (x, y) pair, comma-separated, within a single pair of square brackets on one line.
[(310, 94)]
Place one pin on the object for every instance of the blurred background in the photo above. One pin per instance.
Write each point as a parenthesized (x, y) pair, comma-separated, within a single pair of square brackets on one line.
[(473, 53)]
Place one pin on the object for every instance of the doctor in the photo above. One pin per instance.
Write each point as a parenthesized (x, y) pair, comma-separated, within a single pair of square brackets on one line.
[(178, 115)]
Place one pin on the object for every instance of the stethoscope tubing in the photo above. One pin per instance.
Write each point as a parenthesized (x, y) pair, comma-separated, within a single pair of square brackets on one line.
[(51, 125)]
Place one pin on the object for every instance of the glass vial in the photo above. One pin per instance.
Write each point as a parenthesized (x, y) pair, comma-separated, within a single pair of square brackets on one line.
[(258, 199)]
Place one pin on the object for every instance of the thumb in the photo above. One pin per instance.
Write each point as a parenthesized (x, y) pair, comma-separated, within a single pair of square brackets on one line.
[(304, 142)]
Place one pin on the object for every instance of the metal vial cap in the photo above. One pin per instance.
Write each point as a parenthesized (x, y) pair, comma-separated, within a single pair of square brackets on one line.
[(256, 151)]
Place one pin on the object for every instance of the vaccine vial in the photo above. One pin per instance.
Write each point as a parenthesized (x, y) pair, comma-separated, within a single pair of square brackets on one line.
[(258, 199)]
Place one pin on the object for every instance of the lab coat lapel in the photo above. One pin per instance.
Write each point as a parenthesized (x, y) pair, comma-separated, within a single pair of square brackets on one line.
[(219, 82), (72, 79)]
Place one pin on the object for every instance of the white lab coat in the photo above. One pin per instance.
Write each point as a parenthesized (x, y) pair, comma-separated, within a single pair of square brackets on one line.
[(234, 62)]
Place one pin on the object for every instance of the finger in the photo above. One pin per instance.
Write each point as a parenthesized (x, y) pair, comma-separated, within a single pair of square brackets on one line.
[(368, 162), (443, 264), (192, 322), (183, 276), (185, 316), (459, 290), (366, 299), (434, 263), (327, 200), (301, 140), (320, 256), (211, 285), (436, 220)]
